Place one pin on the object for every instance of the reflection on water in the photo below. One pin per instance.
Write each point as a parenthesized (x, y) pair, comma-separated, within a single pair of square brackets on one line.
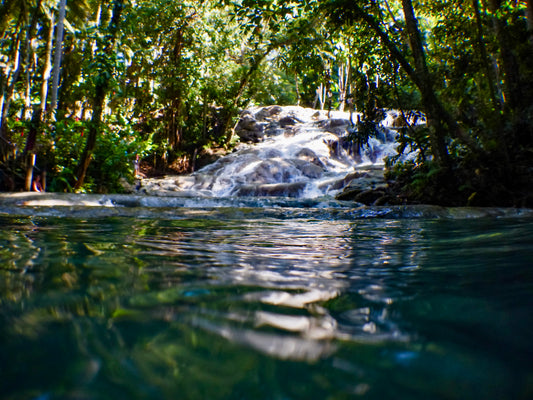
[(211, 306)]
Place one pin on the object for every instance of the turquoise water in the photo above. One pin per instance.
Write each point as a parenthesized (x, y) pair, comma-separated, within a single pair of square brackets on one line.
[(271, 303)]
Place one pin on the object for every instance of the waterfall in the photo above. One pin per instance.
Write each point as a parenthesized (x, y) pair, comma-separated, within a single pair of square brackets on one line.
[(291, 152)]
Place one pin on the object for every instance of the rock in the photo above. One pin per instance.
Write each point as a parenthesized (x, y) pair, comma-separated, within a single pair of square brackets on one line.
[(337, 126), (288, 121), (273, 129), (310, 156), (271, 171), (347, 179), (293, 189), (317, 115), (249, 130), (348, 194), (363, 180), (267, 112), (399, 121), (369, 197), (308, 169), (209, 156), (127, 187)]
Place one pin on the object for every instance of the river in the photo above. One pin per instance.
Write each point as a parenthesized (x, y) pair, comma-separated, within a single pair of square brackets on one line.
[(278, 301)]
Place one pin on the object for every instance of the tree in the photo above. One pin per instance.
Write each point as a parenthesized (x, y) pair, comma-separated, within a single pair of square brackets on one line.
[(57, 55), (450, 61), (104, 63)]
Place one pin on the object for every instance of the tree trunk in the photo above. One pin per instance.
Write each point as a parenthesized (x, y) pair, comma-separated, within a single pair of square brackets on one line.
[(30, 163), (47, 68), (10, 79), (98, 100), (94, 129), (297, 88), (529, 15), (490, 74), (434, 110), (57, 56), (28, 52), (512, 81), (344, 79)]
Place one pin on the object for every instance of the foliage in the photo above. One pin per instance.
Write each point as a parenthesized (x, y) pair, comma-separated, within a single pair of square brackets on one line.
[(173, 76)]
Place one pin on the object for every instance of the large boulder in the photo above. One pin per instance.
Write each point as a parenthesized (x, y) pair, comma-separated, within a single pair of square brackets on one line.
[(364, 186), (249, 129)]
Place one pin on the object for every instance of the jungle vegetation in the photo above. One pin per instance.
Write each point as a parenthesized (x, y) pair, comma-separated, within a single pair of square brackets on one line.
[(86, 85)]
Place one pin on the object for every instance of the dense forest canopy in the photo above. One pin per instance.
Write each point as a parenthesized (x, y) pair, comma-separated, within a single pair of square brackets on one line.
[(86, 85)]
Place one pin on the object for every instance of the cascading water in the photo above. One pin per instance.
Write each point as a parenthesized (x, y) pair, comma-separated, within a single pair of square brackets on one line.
[(299, 152)]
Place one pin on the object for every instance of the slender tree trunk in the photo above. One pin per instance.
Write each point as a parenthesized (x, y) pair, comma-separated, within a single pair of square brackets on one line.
[(57, 56), (429, 98), (344, 79), (99, 99), (47, 68), (28, 64), (513, 84), (529, 15), (29, 150), (30, 164), (94, 129), (10, 79), (297, 87), (490, 74)]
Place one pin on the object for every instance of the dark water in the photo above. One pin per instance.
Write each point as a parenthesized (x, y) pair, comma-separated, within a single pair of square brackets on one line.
[(220, 304)]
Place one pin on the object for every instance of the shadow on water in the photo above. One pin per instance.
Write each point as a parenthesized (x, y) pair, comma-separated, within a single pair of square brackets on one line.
[(230, 304)]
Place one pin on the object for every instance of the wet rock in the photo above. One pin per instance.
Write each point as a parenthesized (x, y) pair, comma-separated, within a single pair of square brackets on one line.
[(273, 129), (369, 197), (272, 171), (209, 156), (308, 169), (369, 181), (249, 130), (310, 156), (347, 179), (348, 194), (293, 189), (268, 112), (337, 126), (340, 149), (289, 120)]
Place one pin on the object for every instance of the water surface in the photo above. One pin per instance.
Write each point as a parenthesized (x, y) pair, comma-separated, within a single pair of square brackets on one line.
[(264, 303)]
